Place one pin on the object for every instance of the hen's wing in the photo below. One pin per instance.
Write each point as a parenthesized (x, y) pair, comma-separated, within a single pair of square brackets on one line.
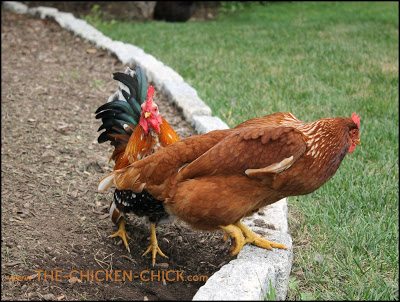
[(270, 120), (256, 152)]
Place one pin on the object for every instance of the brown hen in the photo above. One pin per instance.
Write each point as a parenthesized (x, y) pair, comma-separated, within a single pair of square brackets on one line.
[(212, 181)]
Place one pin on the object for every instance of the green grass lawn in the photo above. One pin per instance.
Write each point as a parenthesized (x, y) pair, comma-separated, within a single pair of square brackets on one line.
[(314, 60)]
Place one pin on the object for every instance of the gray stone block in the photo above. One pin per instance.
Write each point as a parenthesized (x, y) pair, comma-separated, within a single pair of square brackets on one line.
[(186, 98), (103, 42), (237, 280), (79, 27), (252, 274), (279, 258), (205, 123), (16, 7), (65, 20), (42, 11), (273, 217)]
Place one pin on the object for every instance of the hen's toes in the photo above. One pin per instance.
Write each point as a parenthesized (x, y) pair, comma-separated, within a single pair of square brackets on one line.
[(266, 244), (237, 236), (257, 240)]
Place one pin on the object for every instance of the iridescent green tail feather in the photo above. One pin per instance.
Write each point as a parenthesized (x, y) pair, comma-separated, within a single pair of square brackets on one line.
[(120, 116)]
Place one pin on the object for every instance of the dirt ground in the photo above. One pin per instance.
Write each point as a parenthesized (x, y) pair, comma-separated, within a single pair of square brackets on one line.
[(52, 216)]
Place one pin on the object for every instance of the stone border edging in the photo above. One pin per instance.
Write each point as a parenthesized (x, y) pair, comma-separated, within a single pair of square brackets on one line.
[(256, 271)]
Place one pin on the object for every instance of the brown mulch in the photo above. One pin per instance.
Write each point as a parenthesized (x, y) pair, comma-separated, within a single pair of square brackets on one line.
[(52, 216)]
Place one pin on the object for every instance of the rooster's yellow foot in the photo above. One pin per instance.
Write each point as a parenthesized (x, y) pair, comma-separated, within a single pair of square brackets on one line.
[(153, 247), (122, 233)]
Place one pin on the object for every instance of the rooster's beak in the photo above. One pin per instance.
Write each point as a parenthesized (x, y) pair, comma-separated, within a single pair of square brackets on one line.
[(357, 142), (147, 114)]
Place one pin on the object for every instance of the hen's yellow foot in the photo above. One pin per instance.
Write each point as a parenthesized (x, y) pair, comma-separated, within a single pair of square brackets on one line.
[(225, 236), (238, 239), (253, 238), (122, 233), (153, 247)]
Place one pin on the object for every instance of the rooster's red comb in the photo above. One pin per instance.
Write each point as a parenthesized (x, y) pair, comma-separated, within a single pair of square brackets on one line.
[(150, 92), (356, 119)]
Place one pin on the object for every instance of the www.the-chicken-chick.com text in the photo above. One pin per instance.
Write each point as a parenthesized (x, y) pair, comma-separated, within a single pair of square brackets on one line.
[(58, 275)]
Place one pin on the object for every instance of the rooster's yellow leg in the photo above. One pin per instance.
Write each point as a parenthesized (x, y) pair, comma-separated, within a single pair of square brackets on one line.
[(235, 233), (153, 247), (257, 240), (122, 233)]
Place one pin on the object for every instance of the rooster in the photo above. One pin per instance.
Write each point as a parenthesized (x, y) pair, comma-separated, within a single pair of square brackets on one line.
[(213, 180), (136, 129)]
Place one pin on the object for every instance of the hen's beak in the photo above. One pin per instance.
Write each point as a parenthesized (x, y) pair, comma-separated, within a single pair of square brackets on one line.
[(357, 141), (147, 114)]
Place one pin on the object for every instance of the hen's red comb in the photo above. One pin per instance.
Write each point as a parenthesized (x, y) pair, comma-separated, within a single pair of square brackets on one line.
[(356, 119)]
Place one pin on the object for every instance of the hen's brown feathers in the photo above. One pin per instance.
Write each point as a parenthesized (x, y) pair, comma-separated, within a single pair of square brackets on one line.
[(254, 148), (273, 119), (209, 201)]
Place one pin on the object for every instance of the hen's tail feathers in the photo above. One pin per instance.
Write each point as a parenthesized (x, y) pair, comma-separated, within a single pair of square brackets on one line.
[(121, 114)]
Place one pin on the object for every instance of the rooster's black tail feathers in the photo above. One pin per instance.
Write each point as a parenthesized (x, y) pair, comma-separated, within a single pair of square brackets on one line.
[(121, 114)]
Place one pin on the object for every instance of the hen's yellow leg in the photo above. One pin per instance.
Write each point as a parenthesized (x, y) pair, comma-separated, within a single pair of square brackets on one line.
[(153, 247), (257, 240), (236, 234), (122, 233)]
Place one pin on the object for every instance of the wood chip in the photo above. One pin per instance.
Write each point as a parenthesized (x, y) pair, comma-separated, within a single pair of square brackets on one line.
[(91, 50), (16, 219), (32, 277), (104, 216), (49, 297), (14, 263), (162, 265), (74, 280)]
